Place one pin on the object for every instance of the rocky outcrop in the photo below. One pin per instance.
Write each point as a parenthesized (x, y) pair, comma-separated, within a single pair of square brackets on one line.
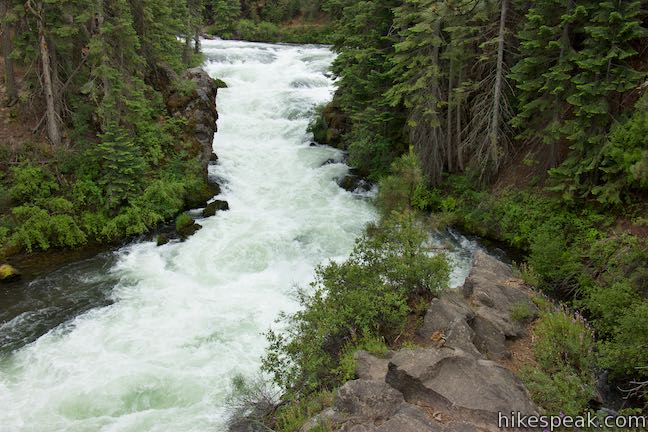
[(215, 206), (199, 108), (191, 96), (452, 383)]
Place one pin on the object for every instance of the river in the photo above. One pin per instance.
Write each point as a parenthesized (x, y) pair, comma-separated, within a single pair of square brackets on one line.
[(147, 338)]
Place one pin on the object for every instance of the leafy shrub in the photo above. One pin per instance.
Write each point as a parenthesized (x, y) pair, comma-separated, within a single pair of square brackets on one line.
[(37, 228), (563, 380), (183, 221), (564, 341), (31, 184), (292, 416), (367, 296), (561, 391), (625, 354)]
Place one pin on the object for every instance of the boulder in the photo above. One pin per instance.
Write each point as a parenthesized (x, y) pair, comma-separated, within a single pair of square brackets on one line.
[(370, 367), (367, 400), (449, 318), (186, 226), (162, 239), (458, 383), (213, 207), (354, 183), (492, 293), (8, 273)]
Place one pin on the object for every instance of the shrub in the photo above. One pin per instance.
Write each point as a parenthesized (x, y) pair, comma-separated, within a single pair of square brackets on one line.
[(183, 221), (37, 228), (31, 184), (397, 191), (368, 296), (561, 391), (522, 313), (626, 354), (564, 341), (563, 380)]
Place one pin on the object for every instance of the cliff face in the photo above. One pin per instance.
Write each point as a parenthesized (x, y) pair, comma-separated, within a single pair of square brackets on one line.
[(198, 107), (453, 383)]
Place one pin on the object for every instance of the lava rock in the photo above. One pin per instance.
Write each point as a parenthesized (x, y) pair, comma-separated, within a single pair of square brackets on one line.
[(354, 183), (8, 273), (458, 382), (215, 206)]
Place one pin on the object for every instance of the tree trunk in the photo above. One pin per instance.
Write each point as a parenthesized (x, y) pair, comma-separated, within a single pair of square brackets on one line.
[(494, 135), (197, 40), (450, 149), (53, 129), (186, 51), (460, 161), (56, 81), (9, 78)]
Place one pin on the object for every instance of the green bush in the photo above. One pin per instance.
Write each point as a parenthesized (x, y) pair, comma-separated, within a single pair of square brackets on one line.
[(564, 341), (183, 221), (368, 296), (563, 381), (561, 391), (397, 191), (625, 353), (38, 228), (31, 184)]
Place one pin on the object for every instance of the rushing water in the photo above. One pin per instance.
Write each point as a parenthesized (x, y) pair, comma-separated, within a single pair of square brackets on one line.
[(147, 339)]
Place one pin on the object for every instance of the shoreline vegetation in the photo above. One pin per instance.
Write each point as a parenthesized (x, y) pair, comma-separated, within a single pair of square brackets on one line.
[(521, 122)]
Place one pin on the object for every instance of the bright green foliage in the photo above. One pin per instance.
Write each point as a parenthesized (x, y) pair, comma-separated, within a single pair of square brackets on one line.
[(563, 380), (367, 296), (31, 183), (624, 158), (625, 353), (558, 392), (398, 191), (564, 341), (125, 166), (571, 256), (183, 221)]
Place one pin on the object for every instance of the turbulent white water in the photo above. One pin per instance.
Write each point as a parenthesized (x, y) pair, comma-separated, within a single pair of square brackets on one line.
[(187, 316)]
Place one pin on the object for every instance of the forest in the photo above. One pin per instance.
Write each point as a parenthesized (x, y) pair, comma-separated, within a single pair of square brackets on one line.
[(523, 122)]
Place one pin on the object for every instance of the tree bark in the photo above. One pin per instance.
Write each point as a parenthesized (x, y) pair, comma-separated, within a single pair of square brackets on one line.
[(197, 40), (450, 151), (9, 77), (53, 128), (494, 135)]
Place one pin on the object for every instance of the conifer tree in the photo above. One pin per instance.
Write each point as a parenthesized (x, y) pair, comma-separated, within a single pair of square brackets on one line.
[(605, 75)]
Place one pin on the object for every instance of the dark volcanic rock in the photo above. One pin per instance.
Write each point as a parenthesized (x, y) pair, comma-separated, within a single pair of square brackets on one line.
[(354, 183), (215, 206), (197, 106)]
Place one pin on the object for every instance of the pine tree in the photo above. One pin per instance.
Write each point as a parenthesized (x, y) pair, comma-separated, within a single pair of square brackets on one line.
[(606, 74), (544, 74)]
